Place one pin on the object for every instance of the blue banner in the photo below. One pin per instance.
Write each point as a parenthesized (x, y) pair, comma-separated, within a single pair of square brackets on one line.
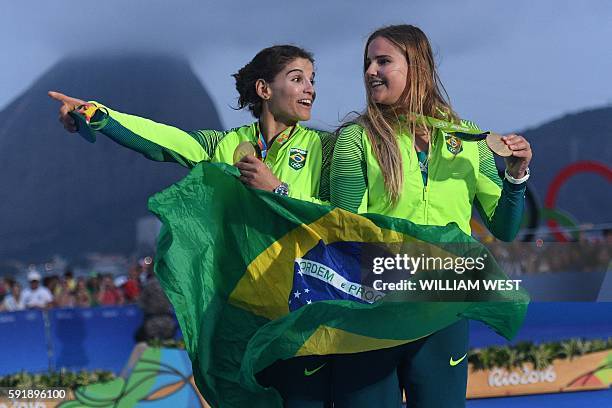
[(96, 338), (23, 345), (552, 322)]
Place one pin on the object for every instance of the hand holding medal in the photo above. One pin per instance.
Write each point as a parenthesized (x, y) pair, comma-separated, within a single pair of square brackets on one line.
[(246, 149), (497, 145), (515, 150), (517, 162), (253, 171)]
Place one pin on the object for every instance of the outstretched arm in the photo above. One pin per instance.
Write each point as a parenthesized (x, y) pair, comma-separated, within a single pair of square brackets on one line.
[(155, 141)]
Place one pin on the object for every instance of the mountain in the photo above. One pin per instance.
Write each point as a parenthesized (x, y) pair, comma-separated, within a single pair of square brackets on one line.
[(63, 195), (60, 194), (586, 135)]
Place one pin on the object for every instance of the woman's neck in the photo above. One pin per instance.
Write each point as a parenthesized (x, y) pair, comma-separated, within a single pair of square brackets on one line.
[(270, 127), (421, 142)]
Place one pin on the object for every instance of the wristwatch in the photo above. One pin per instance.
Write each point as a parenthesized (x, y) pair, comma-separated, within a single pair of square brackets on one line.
[(282, 189), (519, 180)]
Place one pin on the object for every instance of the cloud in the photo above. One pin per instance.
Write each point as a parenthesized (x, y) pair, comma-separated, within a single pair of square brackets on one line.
[(505, 64)]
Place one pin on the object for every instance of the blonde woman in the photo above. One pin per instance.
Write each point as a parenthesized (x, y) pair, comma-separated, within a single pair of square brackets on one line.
[(402, 158)]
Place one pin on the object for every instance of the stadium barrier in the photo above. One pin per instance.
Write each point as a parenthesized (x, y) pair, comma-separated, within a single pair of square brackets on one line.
[(76, 339)]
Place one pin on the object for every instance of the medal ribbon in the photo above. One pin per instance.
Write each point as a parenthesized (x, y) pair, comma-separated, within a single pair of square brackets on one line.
[(268, 154), (263, 146), (461, 131)]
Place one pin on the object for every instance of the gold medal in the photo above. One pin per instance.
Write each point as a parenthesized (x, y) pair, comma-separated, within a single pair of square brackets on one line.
[(244, 149), (497, 145)]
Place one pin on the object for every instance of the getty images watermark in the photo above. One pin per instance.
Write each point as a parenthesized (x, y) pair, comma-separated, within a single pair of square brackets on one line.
[(404, 263)]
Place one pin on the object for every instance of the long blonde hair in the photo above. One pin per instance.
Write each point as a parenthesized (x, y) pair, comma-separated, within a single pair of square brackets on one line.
[(424, 95)]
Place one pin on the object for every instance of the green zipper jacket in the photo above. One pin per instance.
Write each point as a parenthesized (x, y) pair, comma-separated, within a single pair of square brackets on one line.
[(302, 161), (460, 175)]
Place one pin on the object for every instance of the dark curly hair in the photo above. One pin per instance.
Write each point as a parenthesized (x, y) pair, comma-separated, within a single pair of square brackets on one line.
[(265, 65)]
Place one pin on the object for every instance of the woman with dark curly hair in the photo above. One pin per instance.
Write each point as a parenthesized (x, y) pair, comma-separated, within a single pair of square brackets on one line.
[(282, 156), (277, 86)]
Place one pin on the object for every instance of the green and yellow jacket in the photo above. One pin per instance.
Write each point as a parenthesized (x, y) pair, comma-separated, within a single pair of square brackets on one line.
[(459, 175), (302, 160)]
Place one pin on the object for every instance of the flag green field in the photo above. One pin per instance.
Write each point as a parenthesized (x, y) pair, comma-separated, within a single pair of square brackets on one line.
[(255, 277)]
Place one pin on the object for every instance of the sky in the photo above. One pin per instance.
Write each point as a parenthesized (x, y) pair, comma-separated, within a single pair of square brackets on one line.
[(505, 65)]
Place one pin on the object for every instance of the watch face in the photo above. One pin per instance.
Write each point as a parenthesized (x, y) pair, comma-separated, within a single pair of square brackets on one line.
[(283, 189)]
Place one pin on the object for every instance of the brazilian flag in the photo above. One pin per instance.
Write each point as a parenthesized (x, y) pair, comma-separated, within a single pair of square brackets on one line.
[(255, 277)]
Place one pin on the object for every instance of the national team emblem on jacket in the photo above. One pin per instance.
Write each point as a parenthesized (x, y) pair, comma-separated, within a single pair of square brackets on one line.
[(453, 144), (297, 158)]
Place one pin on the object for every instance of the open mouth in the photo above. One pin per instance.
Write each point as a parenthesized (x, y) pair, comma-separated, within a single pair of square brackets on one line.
[(305, 102), (376, 83)]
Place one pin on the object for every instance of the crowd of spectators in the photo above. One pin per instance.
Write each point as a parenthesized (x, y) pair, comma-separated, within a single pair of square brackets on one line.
[(517, 258), (585, 254), (68, 291)]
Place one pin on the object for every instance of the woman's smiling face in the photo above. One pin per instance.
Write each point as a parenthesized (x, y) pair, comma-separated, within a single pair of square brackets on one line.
[(386, 71), (292, 91)]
